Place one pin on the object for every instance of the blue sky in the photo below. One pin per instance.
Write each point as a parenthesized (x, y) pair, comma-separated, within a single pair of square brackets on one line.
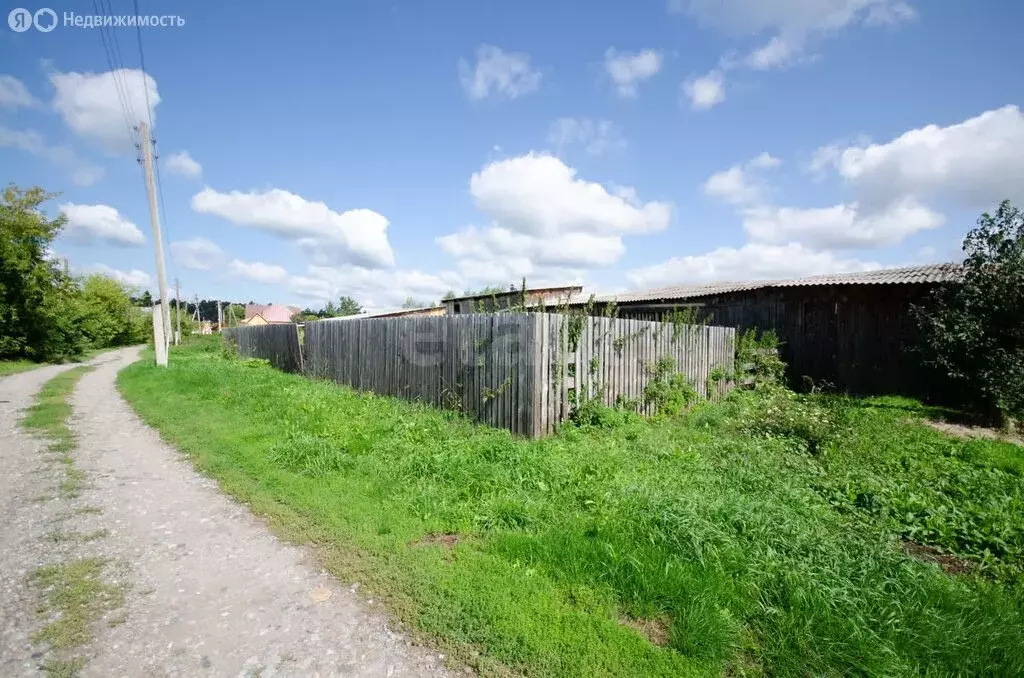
[(389, 149)]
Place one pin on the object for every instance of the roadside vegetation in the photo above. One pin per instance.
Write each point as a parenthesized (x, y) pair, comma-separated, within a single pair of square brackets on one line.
[(973, 329), (74, 591), (769, 534), (47, 314)]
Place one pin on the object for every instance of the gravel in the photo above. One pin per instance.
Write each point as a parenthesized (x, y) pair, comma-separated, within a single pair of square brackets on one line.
[(211, 591)]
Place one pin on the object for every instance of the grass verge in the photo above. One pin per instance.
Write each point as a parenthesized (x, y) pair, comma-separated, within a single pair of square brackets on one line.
[(48, 417), (74, 596), (15, 366), (765, 535), (22, 365)]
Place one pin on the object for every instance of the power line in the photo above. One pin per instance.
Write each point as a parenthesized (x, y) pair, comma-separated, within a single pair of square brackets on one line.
[(142, 63), (124, 100), (149, 118), (116, 45)]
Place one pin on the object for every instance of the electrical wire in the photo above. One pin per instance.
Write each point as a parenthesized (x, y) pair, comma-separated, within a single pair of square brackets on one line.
[(149, 116), (116, 74)]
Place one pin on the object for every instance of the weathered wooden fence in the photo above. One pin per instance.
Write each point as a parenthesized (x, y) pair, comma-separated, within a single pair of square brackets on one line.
[(612, 358), (518, 371), (277, 343)]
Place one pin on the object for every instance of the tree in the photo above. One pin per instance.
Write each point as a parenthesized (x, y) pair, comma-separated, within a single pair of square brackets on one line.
[(145, 299), (348, 306), (39, 310), (414, 303), (109, 318), (973, 330)]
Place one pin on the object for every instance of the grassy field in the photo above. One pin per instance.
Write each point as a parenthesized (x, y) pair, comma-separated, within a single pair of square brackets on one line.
[(767, 535)]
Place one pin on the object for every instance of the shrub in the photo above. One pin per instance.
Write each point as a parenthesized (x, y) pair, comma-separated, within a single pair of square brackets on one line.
[(670, 392), (777, 411), (973, 331)]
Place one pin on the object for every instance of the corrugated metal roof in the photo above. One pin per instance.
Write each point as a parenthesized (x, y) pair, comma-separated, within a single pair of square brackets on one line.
[(932, 273), (566, 289)]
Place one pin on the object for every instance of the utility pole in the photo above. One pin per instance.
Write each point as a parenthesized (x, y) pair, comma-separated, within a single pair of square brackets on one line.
[(177, 298), (146, 146), (220, 317), (159, 342)]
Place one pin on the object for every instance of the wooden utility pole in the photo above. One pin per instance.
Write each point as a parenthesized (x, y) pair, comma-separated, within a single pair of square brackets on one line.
[(177, 298), (146, 146)]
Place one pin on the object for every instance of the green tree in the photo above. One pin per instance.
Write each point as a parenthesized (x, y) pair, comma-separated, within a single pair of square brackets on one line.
[(39, 310), (348, 306), (109, 318), (973, 331)]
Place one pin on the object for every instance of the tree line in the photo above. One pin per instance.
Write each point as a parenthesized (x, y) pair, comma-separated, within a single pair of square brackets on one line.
[(47, 314)]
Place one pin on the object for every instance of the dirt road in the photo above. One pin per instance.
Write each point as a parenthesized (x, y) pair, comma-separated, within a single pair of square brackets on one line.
[(209, 590)]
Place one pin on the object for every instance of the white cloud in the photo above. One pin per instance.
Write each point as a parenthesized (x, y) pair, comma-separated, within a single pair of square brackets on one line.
[(776, 53), (706, 91), (133, 278), (498, 73), (562, 250), (541, 195), (547, 224), (839, 226), (373, 288), (197, 254), (765, 161), (257, 271), (792, 25), (357, 236), (791, 17), (845, 225), (753, 261), (595, 136), (14, 94), (87, 223), (739, 185), (628, 69), (182, 163), (83, 172), (91, 105), (977, 161)]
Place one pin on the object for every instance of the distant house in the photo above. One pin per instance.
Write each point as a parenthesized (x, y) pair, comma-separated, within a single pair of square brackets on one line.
[(269, 315), (850, 330), (258, 309), (501, 301)]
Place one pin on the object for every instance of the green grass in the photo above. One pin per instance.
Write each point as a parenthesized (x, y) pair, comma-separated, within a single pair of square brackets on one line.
[(23, 365), (48, 417), (766, 532), (15, 366), (74, 597)]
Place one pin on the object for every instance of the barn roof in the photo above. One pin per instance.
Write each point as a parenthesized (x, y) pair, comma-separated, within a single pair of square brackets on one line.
[(906, 275)]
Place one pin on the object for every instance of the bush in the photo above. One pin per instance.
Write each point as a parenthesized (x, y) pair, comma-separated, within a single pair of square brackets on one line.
[(777, 411), (670, 392), (973, 331)]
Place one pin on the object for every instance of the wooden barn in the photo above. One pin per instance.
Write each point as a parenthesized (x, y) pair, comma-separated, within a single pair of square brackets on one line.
[(848, 330)]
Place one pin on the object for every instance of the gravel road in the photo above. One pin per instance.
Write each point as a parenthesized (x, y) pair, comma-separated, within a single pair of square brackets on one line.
[(211, 591)]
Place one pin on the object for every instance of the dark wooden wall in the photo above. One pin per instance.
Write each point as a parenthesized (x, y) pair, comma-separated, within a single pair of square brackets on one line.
[(854, 337)]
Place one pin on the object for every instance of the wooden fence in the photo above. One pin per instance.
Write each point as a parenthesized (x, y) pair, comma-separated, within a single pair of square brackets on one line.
[(520, 371), (277, 343), (612, 358)]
